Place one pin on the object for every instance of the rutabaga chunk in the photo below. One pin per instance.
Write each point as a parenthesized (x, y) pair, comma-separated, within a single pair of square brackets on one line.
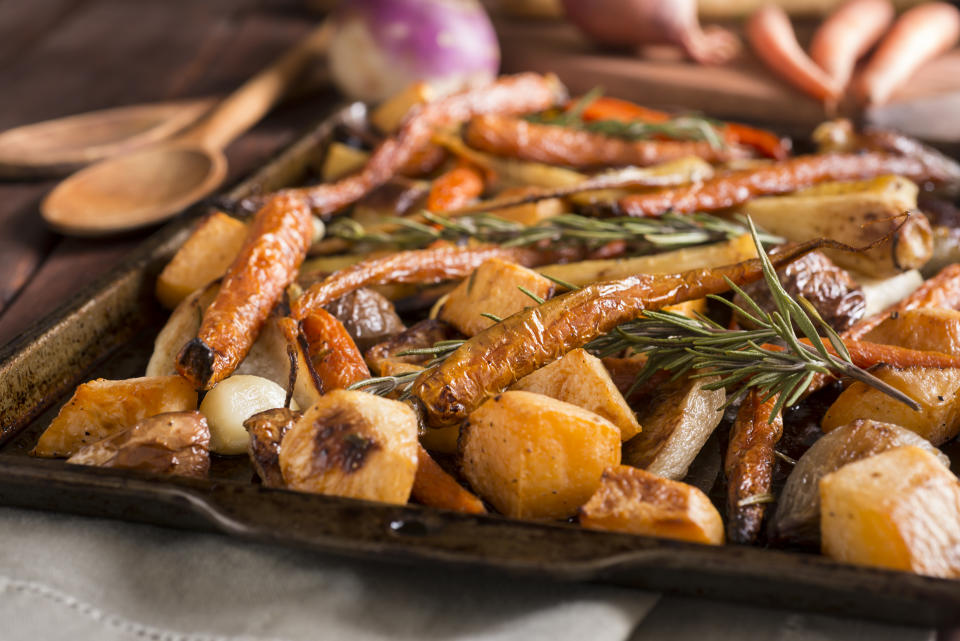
[(635, 501), (676, 424), (231, 402), (493, 288), (899, 510), (101, 408), (174, 443), (532, 456), (934, 389), (798, 507), (581, 379), (353, 444)]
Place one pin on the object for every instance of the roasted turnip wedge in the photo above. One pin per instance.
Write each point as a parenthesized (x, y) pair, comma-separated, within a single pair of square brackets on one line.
[(101, 408), (173, 443), (797, 518), (353, 444), (678, 421), (899, 510), (534, 457), (638, 502)]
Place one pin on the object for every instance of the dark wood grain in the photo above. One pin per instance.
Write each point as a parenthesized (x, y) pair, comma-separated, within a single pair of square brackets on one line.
[(69, 56)]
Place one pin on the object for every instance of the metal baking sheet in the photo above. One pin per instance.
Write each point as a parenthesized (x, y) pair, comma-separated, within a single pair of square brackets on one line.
[(107, 330)]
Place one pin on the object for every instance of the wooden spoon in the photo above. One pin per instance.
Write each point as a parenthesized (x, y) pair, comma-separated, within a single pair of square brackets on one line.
[(148, 186), (63, 145)]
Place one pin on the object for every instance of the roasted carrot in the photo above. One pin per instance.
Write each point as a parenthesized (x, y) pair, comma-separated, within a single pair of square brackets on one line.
[(495, 358), (919, 35), (276, 244), (749, 466), (847, 34), (423, 161), (434, 487), (865, 354), (765, 142), (515, 137), (737, 187), (455, 189), (335, 360), (773, 40)]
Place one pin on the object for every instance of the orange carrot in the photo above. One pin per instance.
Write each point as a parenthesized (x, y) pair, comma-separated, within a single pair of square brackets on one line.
[(921, 34), (772, 38), (334, 357), (434, 487), (865, 354), (765, 142), (847, 34), (455, 189)]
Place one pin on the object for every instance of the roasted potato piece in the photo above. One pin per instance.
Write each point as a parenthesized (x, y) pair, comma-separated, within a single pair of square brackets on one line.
[(638, 502), (856, 213), (927, 328), (434, 487), (493, 288), (422, 334), (341, 160), (353, 444), (101, 408), (592, 271), (532, 456), (934, 389), (174, 443), (266, 430), (203, 258), (368, 316), (676, 423), (797, 518), (899, 510), (581, 379), (180, 328), (231, 402)]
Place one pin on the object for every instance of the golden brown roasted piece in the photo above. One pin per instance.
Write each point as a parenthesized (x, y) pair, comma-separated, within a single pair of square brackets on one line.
[(276, 244), (101, 408), (635, 501), (335, 361), (367, 315), (267, 430), (494, 359), (510, 136), (420, 335), (926, 328), (174, 443), (749, 466)]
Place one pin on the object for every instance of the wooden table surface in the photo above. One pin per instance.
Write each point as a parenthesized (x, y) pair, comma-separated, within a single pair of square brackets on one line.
[(59, 57)]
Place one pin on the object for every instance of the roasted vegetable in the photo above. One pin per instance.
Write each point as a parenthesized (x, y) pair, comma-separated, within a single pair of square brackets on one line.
[(899, 510), (494, 359), (857, 214), (101, 408), (353, 444), (183, 324), (677, 420), (581, 379), (749, 465), (583, 149), (341, 160), (737, 187), (934, 389), (266, 430), (367, 316), (390, 114), (231, 402), (930, 328), (275, 246), (455, 188), (202, 259), (882, 293), (434, 487), (532, 456), (797, 518), (418, 336), (638, 502), (172, 443), (497, 288), (334, 359)]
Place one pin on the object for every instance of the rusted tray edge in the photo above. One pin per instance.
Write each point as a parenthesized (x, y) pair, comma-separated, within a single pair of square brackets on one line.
[(405, 533)]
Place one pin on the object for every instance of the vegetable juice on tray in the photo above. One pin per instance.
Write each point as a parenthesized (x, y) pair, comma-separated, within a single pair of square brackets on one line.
[(549, 308)]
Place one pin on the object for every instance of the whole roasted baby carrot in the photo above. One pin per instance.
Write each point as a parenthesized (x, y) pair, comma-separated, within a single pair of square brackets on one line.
[(495, 358), (335, 360), (276, 244), (455, 189), (847, 34)]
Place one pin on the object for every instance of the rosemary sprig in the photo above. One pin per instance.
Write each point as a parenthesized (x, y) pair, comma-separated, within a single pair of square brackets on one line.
[(770, 358), (645, 235), (383, 385)]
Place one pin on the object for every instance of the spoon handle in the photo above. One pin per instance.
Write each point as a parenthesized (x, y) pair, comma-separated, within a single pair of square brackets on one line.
[(251, 101)]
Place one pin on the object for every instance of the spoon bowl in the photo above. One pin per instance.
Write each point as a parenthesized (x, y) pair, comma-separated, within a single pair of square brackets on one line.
[(133, 190)]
